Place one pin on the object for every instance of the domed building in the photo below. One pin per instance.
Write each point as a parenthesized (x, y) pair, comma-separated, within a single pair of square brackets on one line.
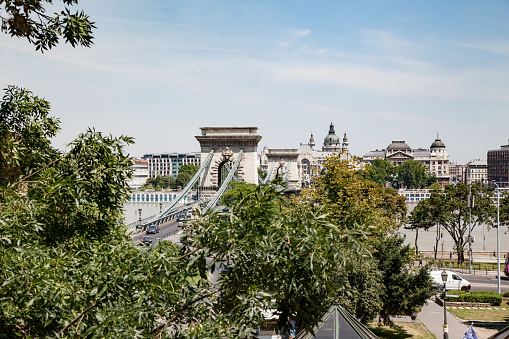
[(435, 159), (331, 142), (298, 164)]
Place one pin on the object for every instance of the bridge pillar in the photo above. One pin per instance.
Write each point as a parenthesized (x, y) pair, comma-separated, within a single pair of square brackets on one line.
[(226, 143)]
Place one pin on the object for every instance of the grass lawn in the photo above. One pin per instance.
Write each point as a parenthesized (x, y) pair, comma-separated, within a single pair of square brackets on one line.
[(402, 330), (494, 318)]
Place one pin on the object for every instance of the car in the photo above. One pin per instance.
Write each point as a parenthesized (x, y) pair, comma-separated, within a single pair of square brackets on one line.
[(181, 217), (152, 229), (454, 281), (146, 240)]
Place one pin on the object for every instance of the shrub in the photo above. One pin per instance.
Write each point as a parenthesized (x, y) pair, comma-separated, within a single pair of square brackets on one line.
[(505, 294), (493, 298)]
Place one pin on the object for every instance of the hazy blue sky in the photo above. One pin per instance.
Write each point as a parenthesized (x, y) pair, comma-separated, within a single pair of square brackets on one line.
[(380, 70)]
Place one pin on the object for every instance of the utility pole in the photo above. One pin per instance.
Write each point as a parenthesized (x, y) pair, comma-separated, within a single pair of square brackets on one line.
[(469, 203), (498, 236)]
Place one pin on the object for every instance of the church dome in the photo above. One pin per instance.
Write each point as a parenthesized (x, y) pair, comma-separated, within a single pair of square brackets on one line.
[(331, 138)]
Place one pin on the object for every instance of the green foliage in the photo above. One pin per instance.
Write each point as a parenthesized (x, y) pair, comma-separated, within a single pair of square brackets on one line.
[(67, 268), (505, 294), (405, 290), (493, 298), (30, 20), (25, 132), (413, 174), (262, 174), (236, 191), (449, 208), (279, 258), (161, 182), (362, 295), (351, 201), (504, 208), (381, 171)]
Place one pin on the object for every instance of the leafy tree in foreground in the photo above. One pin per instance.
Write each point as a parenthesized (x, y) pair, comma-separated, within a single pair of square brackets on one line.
[(404, 292), (25, 132), (278, 259), (29, 19), (68, 270), (353, 202)]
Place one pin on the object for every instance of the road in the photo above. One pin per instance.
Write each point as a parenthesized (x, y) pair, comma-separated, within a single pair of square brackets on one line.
[(482, 282), (166, 229)]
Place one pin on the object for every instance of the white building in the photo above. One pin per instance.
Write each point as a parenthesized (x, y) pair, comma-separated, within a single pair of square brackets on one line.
[(476, 171), (435, 159), (140, 173), (166, 164), (298, 164)]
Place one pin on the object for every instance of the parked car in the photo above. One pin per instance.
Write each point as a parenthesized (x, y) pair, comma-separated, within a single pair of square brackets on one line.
[(146, 240), (153, 229), (454, 281)]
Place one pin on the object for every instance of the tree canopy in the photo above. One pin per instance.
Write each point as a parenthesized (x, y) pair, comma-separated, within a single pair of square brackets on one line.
[(30, 20), (449, 208)]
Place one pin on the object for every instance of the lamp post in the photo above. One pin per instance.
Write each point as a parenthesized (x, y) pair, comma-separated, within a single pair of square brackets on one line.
[(498, 237), (446, 327), (469, 227)]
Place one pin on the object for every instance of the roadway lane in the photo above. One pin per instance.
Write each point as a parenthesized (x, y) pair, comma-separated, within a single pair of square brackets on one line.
[(166, 229), (482, 282)]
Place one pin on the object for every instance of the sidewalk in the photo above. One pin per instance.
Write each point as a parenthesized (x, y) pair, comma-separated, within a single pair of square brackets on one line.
[(432, 316)]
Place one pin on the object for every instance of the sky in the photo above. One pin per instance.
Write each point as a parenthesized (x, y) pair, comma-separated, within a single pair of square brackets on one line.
[(379, 70)]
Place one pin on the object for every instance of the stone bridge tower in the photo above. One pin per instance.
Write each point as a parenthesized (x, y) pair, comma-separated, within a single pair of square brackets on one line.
[(226, 143)]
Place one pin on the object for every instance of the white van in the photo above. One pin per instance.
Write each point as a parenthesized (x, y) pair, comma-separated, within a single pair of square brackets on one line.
[(454, 281)]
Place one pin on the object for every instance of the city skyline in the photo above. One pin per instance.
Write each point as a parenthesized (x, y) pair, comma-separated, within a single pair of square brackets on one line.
[(397, 70)]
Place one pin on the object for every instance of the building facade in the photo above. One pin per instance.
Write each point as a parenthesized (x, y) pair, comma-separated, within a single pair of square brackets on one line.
[(167, 164), (498, 165), (298, 164), (476, 171), (435, 159), (140, 173)]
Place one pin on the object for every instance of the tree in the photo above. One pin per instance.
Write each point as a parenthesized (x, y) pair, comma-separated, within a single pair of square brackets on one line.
[(278, 258), (404, 292), (68, 269), (354, 202), (351, 201), (504, 208), (237, 190), (449, 209), (413, 174), (262, 174), (421, 218), (185, 174), (381, 172), (25, 132), (362, 293), (30, 20)]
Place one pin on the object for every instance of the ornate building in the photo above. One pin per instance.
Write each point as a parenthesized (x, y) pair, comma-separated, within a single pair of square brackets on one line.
[(298, 164), (435, 159)]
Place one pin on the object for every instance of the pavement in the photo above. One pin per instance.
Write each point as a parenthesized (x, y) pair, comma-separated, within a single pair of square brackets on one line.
[(432, 316)]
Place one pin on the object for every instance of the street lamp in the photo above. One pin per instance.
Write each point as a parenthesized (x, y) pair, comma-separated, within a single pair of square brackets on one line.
[(498, 237), (446, 327)]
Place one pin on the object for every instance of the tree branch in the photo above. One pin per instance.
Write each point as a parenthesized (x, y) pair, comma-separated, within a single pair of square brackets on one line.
[(186, 306), (78, 317)]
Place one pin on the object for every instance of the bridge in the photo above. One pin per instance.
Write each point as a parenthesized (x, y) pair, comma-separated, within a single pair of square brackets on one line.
[(227, 153)]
